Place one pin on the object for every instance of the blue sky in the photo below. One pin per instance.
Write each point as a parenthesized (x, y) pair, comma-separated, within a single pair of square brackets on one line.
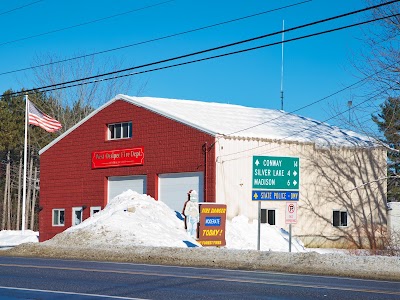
[(313, 69)]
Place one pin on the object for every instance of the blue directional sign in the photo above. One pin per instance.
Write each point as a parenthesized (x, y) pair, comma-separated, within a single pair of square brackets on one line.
[(275, 195), (275, 178)]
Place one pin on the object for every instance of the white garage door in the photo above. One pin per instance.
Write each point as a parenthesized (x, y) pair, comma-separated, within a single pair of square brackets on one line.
[(173, 188), (120, 184)]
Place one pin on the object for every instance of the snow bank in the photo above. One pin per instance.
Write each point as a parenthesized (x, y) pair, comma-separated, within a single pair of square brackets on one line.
[(130, 219), (242, 234), (14, 237)]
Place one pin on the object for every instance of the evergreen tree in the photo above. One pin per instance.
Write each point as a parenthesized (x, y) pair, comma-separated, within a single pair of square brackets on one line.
[(388, 121), (12, 115)]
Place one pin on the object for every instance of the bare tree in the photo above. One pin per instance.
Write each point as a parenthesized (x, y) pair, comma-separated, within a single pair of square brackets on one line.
[(381, 56), (352, 181), (74, 103)]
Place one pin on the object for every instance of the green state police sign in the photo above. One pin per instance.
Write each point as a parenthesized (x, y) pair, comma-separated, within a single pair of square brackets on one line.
[(276, 178)]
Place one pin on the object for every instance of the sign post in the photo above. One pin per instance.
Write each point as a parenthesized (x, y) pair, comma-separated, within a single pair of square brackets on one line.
[(291, 218), (275, 178)]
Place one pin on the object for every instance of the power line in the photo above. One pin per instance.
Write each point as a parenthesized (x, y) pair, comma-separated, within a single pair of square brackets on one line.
[(78, 84), (158, 39), (84, 24), (71, 83), (146, 71), (233, 44), (305, 129), (20, 7), (313, 103), (324, 98)]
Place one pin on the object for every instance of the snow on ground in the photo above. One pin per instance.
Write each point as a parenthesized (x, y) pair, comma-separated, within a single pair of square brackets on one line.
[(132, 219), (242, 234), (13, 237)]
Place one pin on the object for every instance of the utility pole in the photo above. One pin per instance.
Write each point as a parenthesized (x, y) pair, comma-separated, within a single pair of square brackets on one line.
[(283, 38)]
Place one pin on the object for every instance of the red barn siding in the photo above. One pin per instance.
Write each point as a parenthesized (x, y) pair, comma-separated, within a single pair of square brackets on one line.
[(67, 179)]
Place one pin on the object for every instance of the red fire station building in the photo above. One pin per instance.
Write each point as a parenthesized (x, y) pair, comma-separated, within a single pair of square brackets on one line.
[(166, 147), (122, 145)]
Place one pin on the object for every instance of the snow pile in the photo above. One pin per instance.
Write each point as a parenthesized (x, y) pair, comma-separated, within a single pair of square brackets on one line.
[(130, 219), (13, 237), (242, 234)]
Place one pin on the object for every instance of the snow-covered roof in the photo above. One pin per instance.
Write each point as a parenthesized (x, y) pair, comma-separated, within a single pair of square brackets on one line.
[(249, 122), (230, 120)]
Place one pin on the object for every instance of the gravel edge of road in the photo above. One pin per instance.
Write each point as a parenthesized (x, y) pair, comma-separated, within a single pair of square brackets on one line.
[(363, 267)]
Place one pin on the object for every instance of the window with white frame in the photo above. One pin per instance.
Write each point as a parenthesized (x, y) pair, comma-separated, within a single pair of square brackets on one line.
[(77, 215), (58, 217), (339, 218), (94, 210), (118, 131)]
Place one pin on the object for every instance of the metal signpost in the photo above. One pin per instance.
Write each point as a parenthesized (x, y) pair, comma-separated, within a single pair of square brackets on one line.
[(291, 218), (275, 178)]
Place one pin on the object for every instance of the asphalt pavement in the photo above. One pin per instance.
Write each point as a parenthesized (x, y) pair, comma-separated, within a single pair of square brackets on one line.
[(39, 278)]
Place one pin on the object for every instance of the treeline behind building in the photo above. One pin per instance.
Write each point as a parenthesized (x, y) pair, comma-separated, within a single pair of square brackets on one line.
[(12, 124)]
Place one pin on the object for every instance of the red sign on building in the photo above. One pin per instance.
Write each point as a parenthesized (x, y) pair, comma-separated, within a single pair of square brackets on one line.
[(212, 224), (118, 158)]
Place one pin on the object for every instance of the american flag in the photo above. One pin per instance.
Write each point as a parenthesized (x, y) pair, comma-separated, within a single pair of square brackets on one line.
[(38, 118)]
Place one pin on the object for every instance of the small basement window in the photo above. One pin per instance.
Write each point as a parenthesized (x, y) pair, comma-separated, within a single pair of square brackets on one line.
[(94, 210), (339, 218), (58, 217), (118, 131)]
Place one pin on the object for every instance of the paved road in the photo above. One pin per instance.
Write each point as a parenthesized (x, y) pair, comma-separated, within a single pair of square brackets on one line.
[(27, 278)]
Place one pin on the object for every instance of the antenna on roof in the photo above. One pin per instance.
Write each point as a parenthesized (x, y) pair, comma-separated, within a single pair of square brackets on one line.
[(283, 38)]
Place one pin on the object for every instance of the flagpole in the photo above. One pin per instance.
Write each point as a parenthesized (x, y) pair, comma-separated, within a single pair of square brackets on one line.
[(25, 162)]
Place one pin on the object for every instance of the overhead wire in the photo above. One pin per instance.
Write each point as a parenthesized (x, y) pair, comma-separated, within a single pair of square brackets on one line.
[(159, 38), (20, 7), (324, 98), (77, 82), (285, 113), (68, 83), (302, 130), (84, 24), (35, 90), (356, 24)]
